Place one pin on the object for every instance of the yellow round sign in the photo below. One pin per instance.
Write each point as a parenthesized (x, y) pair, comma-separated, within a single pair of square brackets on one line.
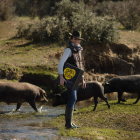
[(69, 73)]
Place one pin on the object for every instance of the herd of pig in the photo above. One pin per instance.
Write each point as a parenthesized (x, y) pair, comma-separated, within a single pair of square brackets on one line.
[(11, 92)]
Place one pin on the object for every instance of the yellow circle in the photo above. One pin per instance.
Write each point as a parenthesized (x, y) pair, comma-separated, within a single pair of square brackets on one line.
[(69, 73)]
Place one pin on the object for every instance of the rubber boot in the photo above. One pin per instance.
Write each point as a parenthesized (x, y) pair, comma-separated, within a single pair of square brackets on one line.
[(68, 118)]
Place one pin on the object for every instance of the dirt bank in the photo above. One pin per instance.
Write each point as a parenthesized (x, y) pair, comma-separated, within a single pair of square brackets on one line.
[(100, 63)]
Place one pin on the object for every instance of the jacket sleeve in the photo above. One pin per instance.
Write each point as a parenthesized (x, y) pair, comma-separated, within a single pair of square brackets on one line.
[(66, 54)]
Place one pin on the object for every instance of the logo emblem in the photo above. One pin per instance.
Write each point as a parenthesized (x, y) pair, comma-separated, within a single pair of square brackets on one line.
[(69, 73)]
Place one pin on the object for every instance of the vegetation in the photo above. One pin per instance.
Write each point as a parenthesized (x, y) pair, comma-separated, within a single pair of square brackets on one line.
[(6, 9), (127, 13), (71, 16), (30, 49), (121, 122)]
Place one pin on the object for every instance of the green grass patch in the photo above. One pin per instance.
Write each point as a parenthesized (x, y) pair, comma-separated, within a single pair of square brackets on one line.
[(121, 121), (41, 70), (25, 54)]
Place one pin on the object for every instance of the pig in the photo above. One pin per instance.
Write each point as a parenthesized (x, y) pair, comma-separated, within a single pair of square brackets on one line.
[(93, 89), (14, 92), (120, 84)]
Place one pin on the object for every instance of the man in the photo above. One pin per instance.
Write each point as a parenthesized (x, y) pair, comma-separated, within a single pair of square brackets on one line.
[(71, 55)]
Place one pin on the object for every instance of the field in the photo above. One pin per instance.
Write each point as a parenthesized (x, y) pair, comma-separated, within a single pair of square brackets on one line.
[(122, 121)]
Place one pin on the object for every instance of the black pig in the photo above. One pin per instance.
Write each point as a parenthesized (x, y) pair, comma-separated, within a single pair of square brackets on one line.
[(120, 84), (93, 89)]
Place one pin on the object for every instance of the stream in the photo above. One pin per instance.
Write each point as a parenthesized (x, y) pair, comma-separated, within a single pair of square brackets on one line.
[(27, 124)]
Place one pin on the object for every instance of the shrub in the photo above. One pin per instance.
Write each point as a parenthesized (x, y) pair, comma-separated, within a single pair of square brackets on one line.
[(34, 8), (23, 30), (6, 9), (71, 16), (100, 30), (81, 17), (126, 12), (68, 9), (59, 29), (37, 31), (50, 30)]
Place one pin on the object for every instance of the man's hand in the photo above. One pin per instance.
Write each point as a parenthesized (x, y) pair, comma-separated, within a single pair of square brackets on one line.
[(83, 84), (62, 80)]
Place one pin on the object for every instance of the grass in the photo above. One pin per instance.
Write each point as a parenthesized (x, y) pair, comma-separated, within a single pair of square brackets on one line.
[(9, 28), (120, 122), (19, 57), (130, 38), (25, 53), (21, 52)]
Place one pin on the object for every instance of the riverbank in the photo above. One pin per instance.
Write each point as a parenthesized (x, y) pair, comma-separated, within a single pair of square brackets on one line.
[(36, 63), (120, 122)]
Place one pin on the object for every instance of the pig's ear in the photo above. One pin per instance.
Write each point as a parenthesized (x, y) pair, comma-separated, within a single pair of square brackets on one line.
[(43, 94), (106, 83)]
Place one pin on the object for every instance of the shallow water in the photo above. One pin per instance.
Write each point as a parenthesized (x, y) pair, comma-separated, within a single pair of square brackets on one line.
[(26, 124)]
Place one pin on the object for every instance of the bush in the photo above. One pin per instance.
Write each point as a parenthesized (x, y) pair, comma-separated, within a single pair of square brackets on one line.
[(50, 30), (68, 9), (23, 30), (6, 9), (81, 17), (71, 16), (33, 8), (100, 30), (126, 12)]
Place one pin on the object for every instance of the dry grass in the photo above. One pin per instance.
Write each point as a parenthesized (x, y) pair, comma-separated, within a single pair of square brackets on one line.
[(9, 28), (24, 53), (120, 122), (130, 38), (21, 52), (28, 54)]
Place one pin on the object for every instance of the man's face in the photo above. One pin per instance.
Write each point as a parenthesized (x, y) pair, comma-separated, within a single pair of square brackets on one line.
[(75, 41)]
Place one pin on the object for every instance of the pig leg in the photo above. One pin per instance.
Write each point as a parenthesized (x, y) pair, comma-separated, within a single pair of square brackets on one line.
[(74, 107), (105, 99), (18, 106), (96, 102), (137, 99), (33, 105), (123, 100), (120, 93)]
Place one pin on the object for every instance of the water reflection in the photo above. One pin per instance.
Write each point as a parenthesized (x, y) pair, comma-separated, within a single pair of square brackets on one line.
[(27, 124)]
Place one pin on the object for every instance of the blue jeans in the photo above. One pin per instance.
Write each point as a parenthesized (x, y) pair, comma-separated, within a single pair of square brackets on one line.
[(72, 97)]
